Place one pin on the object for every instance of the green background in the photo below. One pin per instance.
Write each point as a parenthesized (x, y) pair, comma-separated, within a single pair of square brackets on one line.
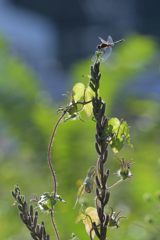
[(27, 117)]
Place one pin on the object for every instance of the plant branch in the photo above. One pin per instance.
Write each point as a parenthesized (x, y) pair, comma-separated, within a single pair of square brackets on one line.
[(116, 183), (50, 154), (54, 226), (29, 217), (102, 192)]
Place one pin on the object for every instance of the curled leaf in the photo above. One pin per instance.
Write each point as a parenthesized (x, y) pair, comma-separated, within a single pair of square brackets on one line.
[(88, 217), (114, 124)]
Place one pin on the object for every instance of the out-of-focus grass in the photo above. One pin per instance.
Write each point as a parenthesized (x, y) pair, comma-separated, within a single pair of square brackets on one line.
[(27, 117)]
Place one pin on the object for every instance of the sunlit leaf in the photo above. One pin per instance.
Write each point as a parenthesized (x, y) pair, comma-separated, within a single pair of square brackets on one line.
[(90, 215), (89, 94), (124, 131), (80, 217), (117, 133), (122, 136), (78, 91), (111, 128), (113, 125)]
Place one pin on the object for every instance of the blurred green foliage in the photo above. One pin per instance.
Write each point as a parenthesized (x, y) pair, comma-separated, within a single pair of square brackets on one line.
[(27, 116)]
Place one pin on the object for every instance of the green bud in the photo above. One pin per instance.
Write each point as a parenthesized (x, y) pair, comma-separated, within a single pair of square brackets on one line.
[(124, 171)]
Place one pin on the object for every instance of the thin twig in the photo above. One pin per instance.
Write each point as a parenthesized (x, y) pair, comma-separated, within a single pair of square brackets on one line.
[(51, 142), (54, 226), (116, 183), (84, 103), (50, 154)]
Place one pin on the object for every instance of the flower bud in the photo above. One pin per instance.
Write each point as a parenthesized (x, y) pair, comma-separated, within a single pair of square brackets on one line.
[(124, 171)]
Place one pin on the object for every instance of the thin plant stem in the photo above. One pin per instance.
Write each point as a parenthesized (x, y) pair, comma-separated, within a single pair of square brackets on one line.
[(51, 143), (116, 183), (83, 103), (54, 226), (50, 154)]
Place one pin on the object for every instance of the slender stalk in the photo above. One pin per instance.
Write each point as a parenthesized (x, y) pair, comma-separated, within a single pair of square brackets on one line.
[(54, 226), (116, 183), (84, 103), (51, 143), (50, 154)]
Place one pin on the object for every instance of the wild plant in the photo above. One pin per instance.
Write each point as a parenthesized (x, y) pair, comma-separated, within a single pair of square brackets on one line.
[(110, 132)]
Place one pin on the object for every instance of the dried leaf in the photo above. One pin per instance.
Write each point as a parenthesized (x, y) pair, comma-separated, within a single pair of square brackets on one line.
[(90, 215)]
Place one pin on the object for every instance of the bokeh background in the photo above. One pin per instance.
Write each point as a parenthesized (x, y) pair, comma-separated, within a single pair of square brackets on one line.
[(46, 47)]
